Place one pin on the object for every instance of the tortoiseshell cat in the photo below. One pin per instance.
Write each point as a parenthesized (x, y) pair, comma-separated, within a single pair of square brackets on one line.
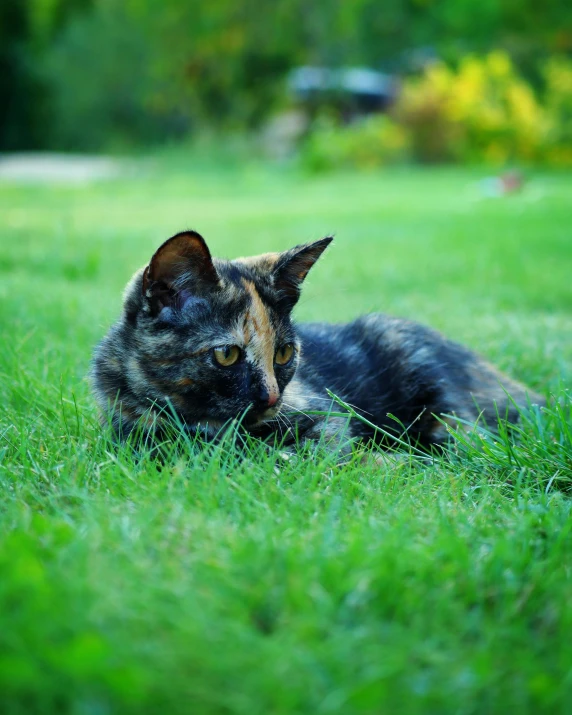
[(214, 340)]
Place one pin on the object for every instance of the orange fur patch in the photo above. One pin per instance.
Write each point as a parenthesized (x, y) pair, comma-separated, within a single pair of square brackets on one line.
[(260, 339), (185, 382), (265, 261)]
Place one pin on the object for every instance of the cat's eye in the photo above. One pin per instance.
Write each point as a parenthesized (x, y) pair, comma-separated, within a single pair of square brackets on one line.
[(284, 354), (226, 355)]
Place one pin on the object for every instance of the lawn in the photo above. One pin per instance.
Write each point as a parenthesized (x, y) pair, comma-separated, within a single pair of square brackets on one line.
[(211, 584)]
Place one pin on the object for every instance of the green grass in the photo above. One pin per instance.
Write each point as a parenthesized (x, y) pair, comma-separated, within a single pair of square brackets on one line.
[(212, 584)]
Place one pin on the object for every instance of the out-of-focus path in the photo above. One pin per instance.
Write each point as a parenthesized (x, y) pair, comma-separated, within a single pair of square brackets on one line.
[(52, 167)]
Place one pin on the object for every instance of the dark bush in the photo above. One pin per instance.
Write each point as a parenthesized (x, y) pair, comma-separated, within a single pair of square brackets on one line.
[(20, 89)]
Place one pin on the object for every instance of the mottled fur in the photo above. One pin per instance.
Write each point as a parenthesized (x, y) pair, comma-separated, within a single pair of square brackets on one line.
[(398, 374)]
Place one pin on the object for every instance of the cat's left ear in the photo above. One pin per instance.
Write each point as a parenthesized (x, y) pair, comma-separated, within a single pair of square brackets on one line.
[(293, 266)]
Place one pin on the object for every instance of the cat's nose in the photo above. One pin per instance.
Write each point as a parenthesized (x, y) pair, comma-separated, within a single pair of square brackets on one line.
[(267, 398)]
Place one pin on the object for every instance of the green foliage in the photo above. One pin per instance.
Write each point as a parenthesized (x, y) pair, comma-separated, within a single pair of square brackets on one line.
[(163, 73), (223, 62), (109, 97), (211, 584), (365, 144)]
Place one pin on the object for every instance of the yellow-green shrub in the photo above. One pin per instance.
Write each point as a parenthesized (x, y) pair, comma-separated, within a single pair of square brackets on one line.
[(364, 144), (558, 105), (483, 112)]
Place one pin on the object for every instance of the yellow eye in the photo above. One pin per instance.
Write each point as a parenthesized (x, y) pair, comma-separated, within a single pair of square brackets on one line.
[(284, 354), (226, 355)]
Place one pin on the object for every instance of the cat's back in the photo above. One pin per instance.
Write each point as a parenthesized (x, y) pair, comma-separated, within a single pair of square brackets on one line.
[(362, 361), (380, 362), (364, 343)]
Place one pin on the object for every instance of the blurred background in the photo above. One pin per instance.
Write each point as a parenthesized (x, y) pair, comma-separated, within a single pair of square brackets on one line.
[(332, 83)]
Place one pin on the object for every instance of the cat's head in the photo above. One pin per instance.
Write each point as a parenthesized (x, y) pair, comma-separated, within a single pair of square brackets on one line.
[(211, 337)]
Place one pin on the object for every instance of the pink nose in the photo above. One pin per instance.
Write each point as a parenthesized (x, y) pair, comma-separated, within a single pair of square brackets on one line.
[(272, 400)]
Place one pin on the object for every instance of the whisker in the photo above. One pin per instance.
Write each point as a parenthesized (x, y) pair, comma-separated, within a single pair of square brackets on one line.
[(332, 402), (296, 409)]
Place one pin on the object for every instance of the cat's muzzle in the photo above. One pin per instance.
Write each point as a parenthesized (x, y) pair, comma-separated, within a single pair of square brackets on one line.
[(257, 416)]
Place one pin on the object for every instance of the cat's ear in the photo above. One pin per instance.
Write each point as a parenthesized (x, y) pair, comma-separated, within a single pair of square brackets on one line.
[(181, 267), (292, 268)]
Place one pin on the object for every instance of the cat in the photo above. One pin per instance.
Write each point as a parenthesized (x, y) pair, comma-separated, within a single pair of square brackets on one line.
[(212, 340)]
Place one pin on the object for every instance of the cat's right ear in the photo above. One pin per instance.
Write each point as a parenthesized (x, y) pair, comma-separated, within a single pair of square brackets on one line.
[(292, 268), (180, 269)]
